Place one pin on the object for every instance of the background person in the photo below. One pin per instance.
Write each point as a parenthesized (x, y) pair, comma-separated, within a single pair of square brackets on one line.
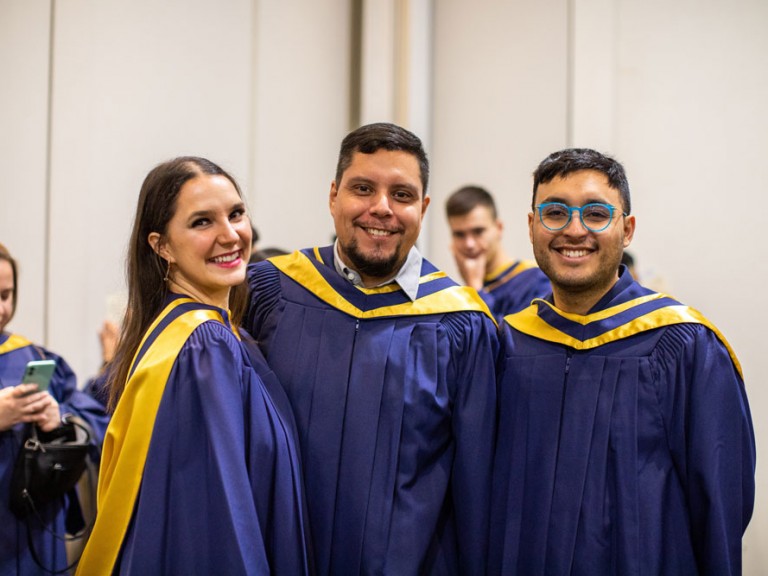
[(20, 405), (625, 441), (506, 285), (629, 261), (109, 334), (200, 471), (389, 367)]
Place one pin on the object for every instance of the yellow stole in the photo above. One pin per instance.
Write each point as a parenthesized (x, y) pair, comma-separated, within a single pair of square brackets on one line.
[(129, 433), (451, 299), (529, 322), (14, 342)]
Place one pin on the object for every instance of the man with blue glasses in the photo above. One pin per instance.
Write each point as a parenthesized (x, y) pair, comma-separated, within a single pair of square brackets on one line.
[(625, 443)]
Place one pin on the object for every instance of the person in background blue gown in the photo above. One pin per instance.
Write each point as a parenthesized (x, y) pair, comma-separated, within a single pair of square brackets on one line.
[(506, 285), (43, 409), (200, 472), (389, 367), (625, 441)]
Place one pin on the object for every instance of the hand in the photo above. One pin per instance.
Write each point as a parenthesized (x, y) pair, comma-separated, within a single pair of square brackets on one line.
[(108, 336), (471, 268), (22, 404), (49, 417)]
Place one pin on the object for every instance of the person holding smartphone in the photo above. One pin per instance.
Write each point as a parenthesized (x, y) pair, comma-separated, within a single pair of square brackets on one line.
[(200, 472), (24, 404)]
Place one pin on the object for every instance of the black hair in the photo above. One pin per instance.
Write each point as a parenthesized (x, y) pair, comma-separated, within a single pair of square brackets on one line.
[(383, 135), (565, 162)]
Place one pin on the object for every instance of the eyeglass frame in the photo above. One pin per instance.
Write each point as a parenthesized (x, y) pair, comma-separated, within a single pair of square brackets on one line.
[(572, 209)]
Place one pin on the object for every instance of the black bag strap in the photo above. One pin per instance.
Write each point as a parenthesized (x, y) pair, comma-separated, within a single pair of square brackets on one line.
[(72, 494), (84, 533)]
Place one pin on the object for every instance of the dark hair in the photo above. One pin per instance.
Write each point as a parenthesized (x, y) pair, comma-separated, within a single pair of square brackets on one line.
[(561, 164), (466, 199), (373, 137), (146, 270), (6, 255)]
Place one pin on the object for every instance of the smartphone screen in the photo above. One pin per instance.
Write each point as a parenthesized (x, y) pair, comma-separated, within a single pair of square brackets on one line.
[(39, 372)]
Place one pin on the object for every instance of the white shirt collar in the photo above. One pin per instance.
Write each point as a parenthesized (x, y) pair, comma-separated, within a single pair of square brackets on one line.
[(407, 277)]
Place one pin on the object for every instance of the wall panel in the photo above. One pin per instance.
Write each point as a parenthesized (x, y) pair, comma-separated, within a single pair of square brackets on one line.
[(24, 52), (302, 100)]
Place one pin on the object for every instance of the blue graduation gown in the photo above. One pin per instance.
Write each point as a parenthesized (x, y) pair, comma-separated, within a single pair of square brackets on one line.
[(221, 486), (15, 556), (625, 442), (514, 287), (395, 407)]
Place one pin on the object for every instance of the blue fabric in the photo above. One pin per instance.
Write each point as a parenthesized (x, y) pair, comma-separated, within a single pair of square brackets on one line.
[(635, 457), (221, 491), (15, 556), (516, 293), (396, 418)]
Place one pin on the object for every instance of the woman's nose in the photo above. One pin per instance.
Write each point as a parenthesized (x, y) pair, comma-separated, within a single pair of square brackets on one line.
[(228, 233)]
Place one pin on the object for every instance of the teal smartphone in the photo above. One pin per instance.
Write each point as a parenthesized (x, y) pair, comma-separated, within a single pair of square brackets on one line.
[(39, 372)]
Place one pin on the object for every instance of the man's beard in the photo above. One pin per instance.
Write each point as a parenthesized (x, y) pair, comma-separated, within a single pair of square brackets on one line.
[(372, 267)]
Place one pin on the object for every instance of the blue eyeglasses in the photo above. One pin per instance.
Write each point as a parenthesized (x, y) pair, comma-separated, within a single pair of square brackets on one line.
[(594, 216)]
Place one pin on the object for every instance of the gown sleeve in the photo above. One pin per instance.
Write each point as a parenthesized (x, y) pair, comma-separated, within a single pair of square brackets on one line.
[(705, 409), (264, 287), (474, 424)]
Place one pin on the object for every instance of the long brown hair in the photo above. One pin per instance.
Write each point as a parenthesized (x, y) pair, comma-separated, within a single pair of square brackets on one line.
[(146, 270)]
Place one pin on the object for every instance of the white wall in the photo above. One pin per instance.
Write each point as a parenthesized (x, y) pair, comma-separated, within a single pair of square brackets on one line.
[(24, 43), (676, 91), (301, 98)]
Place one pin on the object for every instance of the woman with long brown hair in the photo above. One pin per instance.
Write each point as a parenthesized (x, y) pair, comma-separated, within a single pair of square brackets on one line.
[(200, 470)]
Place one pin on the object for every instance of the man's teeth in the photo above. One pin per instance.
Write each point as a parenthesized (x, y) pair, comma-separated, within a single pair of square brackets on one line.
[(574, 253), (227, 258), (377, 232)]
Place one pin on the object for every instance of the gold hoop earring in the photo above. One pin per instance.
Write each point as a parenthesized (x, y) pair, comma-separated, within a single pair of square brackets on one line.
[(167, 272)]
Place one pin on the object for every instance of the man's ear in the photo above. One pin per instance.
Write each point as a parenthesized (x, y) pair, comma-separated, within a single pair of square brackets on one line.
[(629, 229), (332, 195), (156, 242), (424, 205), (530, 226)]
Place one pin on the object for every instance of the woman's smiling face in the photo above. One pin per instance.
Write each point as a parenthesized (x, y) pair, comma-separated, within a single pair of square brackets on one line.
[(207, 241)]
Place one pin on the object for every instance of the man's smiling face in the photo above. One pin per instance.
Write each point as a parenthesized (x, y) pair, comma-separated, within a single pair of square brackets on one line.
[(377, 209), (578, 261)]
